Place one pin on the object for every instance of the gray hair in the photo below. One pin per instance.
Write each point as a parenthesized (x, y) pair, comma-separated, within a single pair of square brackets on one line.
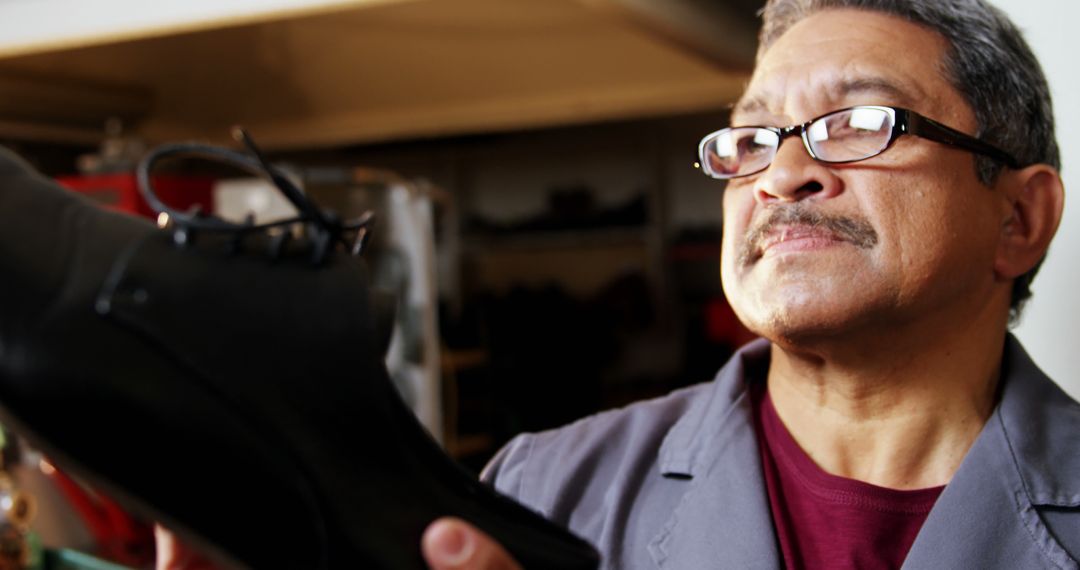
[(989, 63)]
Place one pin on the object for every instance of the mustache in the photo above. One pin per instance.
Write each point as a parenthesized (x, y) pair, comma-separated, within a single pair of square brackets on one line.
[(856, 231)]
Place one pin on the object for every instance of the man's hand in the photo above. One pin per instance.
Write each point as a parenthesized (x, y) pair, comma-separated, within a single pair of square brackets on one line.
[(453, 544), (174, 555)]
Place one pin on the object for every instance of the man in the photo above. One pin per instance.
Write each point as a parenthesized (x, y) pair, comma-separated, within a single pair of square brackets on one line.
[(889, 418)]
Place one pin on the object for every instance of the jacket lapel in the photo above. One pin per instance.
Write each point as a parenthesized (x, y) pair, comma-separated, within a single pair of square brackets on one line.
[(983, 518), (986, 517), (723, 520)]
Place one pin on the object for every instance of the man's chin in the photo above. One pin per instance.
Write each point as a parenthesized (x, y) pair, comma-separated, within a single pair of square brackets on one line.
[(800, 324)]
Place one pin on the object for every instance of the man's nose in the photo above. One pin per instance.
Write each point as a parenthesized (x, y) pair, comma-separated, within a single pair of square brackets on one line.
[(795, 176)]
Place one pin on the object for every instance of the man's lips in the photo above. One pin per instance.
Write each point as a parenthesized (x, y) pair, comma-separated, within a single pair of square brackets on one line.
[(797, 238), (800, 227)]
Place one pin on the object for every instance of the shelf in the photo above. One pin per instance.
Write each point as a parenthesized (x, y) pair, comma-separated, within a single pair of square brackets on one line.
[(454, 361), (559, 240)]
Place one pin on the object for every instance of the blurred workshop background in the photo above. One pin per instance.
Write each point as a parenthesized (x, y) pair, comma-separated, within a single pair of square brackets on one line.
[(553, 250)]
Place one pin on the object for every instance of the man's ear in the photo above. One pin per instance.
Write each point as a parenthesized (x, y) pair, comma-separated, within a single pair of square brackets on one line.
[(1034, 198)]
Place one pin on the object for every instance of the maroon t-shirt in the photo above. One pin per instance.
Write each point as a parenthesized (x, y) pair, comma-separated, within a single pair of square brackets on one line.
[(825, 521)]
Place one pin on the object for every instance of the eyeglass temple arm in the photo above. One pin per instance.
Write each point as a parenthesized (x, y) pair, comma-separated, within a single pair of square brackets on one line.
[(928, 128)]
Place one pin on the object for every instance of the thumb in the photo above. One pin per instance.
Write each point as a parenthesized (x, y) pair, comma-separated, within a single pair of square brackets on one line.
[(171, 554), (453, 544)]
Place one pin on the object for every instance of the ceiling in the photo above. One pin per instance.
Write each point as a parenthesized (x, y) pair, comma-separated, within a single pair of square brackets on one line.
[(388, 70)]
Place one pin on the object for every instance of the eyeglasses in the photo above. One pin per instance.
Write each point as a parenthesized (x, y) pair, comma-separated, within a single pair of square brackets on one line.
[(847, 135)]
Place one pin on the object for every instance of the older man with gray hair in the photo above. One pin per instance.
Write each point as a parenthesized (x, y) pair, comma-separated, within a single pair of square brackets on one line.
[(891, 188)]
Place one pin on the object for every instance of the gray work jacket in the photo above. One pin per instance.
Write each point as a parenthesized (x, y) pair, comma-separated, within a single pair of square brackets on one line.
[(676, 482)]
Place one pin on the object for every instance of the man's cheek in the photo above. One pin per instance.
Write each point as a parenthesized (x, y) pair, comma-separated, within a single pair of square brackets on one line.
[(736, 217)]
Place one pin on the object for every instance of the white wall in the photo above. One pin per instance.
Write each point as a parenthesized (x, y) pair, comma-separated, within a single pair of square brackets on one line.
[(1050, 329)]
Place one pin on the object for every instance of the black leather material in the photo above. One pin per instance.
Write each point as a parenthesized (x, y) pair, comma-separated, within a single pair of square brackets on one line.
[(240, 399)]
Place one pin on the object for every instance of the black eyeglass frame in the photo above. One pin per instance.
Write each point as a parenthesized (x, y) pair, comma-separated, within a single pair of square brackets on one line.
[(905, 122)]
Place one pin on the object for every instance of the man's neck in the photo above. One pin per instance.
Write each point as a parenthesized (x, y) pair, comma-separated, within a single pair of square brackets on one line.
[(898, 412)]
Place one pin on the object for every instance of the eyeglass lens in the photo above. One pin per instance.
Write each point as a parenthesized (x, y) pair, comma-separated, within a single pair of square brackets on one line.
[(844, 136), (852, 134)]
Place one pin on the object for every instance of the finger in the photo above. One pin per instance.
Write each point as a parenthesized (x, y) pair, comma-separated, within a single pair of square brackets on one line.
[(164, 548), (171, 554), (453, 544)]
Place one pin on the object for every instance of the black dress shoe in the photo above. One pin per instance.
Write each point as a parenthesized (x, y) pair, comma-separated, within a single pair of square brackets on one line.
[(228, 384)]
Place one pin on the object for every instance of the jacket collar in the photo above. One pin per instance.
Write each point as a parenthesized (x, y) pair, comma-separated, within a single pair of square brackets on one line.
[(1040, 424), (1046, 454), (723, 519), (690, 445), (1026, 456)]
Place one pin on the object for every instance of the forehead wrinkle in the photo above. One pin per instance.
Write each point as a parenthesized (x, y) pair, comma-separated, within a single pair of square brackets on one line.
[(850, 87), (847, 90)]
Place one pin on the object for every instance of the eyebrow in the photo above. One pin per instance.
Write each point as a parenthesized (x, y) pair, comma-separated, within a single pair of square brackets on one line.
[(751, 105), (878, 85), (837, 92)]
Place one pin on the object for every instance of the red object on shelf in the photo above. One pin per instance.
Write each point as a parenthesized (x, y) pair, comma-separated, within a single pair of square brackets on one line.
[(722, 326), (121, 192)]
